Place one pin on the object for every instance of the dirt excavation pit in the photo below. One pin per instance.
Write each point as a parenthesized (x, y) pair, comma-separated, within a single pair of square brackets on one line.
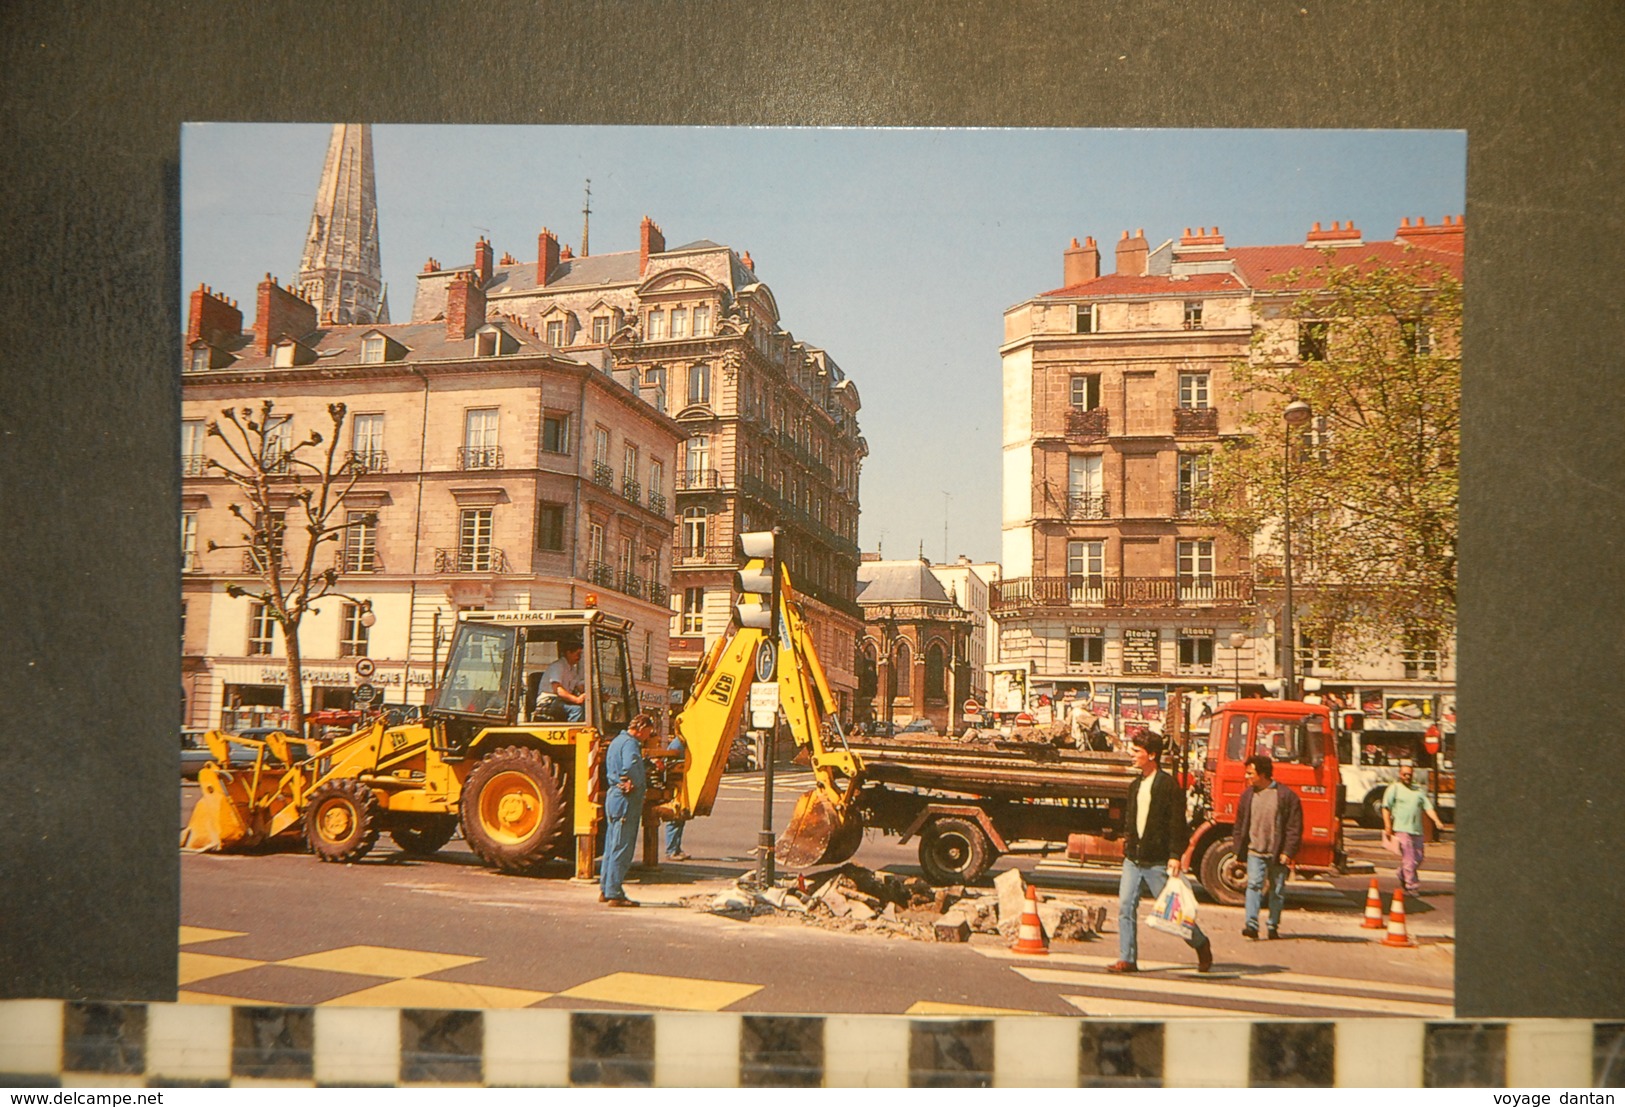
[(856, 899)]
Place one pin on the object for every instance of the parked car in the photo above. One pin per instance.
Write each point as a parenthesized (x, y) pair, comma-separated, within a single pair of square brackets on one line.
[(194, 753), (741, 755)]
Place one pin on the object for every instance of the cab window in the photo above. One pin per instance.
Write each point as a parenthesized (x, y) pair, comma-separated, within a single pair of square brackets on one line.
[(616, 696), (1235, 739), (1287, 741), (477, 673)]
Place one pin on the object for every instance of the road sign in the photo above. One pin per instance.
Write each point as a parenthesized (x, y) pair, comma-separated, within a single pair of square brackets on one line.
[(365, 667), (764, 705), (364, 693), (766, 655), (972, 707), (1430, 738)]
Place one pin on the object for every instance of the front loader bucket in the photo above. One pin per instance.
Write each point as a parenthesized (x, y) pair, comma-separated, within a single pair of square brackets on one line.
[(221, 819), (820, 833)]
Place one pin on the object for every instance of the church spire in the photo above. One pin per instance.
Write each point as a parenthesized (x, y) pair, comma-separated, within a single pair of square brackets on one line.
[(339, 272)]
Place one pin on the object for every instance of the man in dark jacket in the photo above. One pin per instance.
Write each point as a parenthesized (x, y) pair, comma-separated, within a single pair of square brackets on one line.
[(1155, 835), (1269, 829)]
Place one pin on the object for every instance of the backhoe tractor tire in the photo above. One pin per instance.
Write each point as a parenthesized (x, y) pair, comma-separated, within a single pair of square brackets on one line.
[(341, 821), (513, 811), (1224, 877), (954, 851), (425, 835)]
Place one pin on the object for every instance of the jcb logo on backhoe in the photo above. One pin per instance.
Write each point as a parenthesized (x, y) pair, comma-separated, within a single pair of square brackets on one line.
[(398, 739), (723, 692)]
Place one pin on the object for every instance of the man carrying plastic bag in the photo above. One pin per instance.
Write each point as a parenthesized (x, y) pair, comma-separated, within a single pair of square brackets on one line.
[(1155, 835)]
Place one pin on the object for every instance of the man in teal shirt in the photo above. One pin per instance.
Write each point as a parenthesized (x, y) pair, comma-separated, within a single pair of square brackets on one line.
[(1403, 806)]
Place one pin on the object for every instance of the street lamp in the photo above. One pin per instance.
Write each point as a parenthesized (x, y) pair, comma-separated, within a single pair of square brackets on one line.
[(1296, 414), (1237, 640)]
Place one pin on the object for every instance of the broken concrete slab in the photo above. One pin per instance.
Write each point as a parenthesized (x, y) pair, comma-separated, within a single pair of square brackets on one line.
[(951, 927), (859, 910), (1012, 892)]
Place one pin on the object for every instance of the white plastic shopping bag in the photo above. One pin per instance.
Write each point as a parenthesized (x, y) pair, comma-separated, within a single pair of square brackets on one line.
[(1174, 911)]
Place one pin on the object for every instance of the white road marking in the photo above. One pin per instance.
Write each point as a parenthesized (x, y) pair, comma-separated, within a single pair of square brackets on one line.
[(1196, 987)]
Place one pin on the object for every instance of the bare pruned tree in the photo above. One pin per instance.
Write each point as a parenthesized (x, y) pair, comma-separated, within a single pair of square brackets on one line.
[(276, 476)]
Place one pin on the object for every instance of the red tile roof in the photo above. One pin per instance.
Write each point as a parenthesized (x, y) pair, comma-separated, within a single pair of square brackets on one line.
[(1116, 284)]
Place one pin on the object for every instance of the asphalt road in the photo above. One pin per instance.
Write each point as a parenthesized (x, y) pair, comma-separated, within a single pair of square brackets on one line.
[(280, 927)]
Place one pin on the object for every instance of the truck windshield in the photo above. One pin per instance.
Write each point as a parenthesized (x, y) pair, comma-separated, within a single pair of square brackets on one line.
[(616, 697), (477, 671), (1287, 741)]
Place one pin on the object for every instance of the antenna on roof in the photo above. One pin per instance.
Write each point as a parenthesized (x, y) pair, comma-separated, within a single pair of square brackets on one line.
[(586, 214)]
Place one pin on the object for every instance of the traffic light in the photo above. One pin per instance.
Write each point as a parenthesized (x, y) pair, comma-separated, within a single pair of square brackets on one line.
[(755, 579)]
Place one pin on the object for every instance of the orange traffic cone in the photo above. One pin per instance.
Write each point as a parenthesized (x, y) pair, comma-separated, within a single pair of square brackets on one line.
[(1397, 934), (1030, 939), (1373, 908)]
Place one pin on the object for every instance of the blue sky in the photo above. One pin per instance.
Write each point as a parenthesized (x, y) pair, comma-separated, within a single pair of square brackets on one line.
[(895, 250)]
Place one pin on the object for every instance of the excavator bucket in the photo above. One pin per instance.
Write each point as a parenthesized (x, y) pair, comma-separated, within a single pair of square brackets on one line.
[(222, 818), (820, 833)]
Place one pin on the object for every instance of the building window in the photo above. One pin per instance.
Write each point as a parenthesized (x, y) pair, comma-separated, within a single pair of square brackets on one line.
[(702, 321), (1086, 392), (601, 325), (372, 349), (556, 433), (550, 527), (474, 554), (194, 433), (1085, 649), (1314, 647), (189, 561), (367, 443), (1086, 321), (1085, 493), (485, 344), (657, 480), (360, 542), (554, 334), (270, 532), (353, 642), (1193, 390), (1312, 340), (595, 543), (629, 470), (654, 382), (600, 445), (480, 439), (261, 627), (679, 322), (1086, 571), (657, 324), (1195, 569), (699, 459), (1193, 315), (1195, 475), (699, 384), (278, 443), (695, 525), (1420, 655), (1195, 652), (1417, 335), (692, 620), (936, 674), (200, 358)]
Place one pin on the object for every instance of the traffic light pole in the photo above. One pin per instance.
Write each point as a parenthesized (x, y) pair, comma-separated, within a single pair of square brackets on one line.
[(765, 874)]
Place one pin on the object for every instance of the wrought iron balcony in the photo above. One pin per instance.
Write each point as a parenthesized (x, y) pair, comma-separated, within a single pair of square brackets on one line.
[(1027, 593), (657, 502), (1086, 426), (631, 489), (194, 465), (255, 561), (470, 559), (1087, 505), (695, 480), (703, 555), (659, 593), (630, 583), (275, 460), (1196, 420), (479, 457), (357, 561), (601, 573), (603, 474), (366, 461)]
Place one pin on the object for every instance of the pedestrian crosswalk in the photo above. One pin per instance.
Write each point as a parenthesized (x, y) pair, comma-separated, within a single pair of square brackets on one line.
[(784, 782), (1165, 989)]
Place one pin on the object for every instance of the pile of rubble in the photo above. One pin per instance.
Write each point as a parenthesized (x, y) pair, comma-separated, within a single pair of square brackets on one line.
[(854, 898)]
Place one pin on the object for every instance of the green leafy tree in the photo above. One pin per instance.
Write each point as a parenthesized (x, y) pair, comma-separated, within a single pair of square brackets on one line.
[(1375, 351), (278, 478)]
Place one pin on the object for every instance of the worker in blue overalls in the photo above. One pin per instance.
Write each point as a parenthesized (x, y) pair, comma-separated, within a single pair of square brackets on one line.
[(627, 779)]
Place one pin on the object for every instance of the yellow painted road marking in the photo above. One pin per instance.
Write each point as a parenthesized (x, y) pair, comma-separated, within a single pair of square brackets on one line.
[(930, 1007), (379, 961), (1197, 987), (438, 995), (184, 996), (201, 966), (191, 935), (679, 993)]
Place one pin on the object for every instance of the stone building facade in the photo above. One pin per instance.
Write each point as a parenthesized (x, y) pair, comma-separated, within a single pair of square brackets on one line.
[(470, 440), (769, 426), (1118, 387), (914, 656)]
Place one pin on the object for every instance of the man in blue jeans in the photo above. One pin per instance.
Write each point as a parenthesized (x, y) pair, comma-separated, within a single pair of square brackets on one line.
[(1155, 835), (1269, 829), (627, 779)]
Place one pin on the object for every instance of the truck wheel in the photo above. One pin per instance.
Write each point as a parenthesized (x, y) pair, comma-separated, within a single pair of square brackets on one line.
[(426, 835), (1223, 876), (341, 821), (954, 851), (1371, 810), (513, 809)]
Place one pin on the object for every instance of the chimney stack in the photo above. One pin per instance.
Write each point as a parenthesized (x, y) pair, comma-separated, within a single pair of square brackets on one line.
[(651, 241), (1080, 263), (212, 318), (280, 313), (465, 306), (482, 261), (1132, 254), (547, 256)]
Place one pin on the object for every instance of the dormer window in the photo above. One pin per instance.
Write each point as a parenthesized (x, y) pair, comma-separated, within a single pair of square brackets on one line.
[(200, 358), (372, 349), (555, 332), (702, 321), (283, 357), (1086, 319), (657, 324), (602, 328), (485, 344), (679, 322)]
